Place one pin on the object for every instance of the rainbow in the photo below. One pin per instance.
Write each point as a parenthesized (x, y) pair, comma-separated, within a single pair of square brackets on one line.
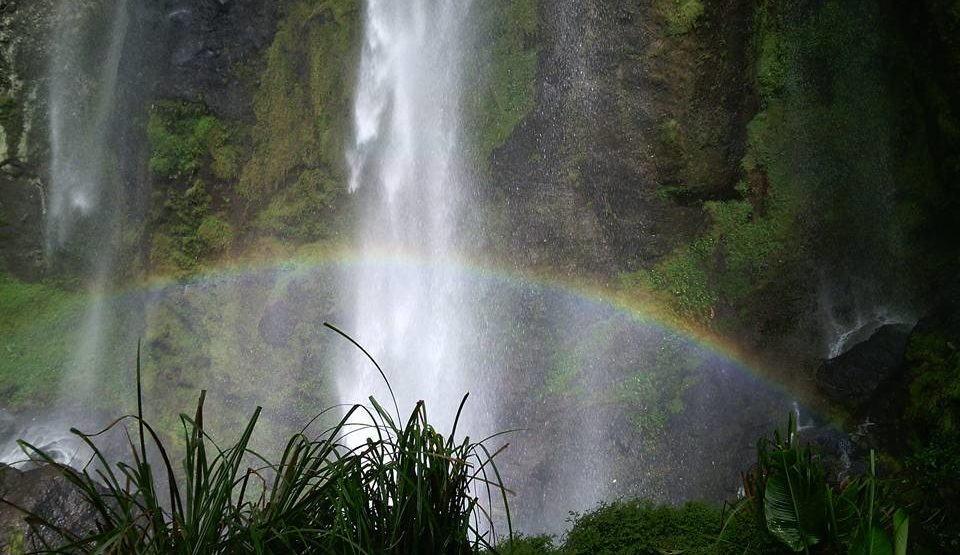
[(637, 306)]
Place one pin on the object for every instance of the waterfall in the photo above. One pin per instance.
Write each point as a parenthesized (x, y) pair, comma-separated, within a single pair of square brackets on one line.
[(83, 188), (82, 96), (406, 167)]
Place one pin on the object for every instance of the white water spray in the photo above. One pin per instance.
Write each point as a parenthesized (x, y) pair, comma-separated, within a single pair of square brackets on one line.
[(81, 104), (81, 216), (407, 166)]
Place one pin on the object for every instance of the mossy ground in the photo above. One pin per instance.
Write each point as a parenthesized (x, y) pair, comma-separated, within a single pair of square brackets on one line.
[(38, 331)]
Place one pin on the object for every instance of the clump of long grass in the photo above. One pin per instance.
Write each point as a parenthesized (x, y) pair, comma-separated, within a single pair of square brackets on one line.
[(406, 489)]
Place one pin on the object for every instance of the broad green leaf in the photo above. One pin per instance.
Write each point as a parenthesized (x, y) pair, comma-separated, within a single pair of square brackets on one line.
[(872, 542), (901, 527), (795, 501)]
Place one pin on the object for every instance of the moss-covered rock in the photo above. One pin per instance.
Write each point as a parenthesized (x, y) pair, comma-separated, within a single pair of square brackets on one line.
[(302, 105), (308, 210), (177, 244), (510, 32), (185, 137), (11, 125)]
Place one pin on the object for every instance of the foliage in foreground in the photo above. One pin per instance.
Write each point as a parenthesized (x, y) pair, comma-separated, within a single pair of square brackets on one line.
[(789, 507), (409, 489), (790, 494), (406, 489)]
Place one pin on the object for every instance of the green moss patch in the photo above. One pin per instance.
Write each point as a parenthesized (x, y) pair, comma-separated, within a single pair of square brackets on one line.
[(184, 137), (682, 16), (511, 31), (305, 211), (39, 333), (177, 245), (302, 106)]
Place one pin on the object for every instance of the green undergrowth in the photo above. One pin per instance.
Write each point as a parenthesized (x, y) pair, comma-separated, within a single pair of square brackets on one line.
[(931, 424), (934, 401), (38, 332), (510, 31), (407, 489), (49, 351), (644, 528)]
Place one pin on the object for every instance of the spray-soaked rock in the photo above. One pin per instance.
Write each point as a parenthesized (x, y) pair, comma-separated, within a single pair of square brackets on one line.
[(852, 378), (46, 493)]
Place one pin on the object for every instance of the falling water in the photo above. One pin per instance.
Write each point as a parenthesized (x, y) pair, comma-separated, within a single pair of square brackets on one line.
[(853, 321), (82, 96), (83, 213), (406, 166), (82, 188)]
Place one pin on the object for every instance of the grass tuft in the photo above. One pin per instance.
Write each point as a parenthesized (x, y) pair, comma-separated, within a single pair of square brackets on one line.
[(405, 489)]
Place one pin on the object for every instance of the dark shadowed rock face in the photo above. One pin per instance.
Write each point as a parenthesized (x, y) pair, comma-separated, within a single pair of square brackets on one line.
[(207, 46), (634, 126), (852, 378), (46, 493)]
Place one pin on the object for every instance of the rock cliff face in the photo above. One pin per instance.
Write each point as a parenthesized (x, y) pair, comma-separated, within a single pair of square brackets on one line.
[(24, 27), (637, 121), (853, 377), (209, 50)]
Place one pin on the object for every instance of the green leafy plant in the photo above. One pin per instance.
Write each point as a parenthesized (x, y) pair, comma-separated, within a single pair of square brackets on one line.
[(789, 491), (405, 489)]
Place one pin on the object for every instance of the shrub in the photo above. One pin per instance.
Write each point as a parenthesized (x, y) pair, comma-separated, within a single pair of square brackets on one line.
[(641, 527), (683, 15), (183, 136), (789, 493), (215, 234), (406, 489)]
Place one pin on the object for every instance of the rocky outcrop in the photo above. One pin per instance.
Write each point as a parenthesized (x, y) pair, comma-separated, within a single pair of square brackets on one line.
[(209, 51), (24, 26), (44, 492), (852, 378), (636, 120)]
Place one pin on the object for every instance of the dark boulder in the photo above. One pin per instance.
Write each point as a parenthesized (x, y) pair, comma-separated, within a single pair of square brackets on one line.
[(45, 492), (852, 378)]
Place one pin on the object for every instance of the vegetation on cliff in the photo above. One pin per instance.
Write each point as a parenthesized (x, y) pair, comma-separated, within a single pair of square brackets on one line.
[(302, 109), (837, 150), (510, 32), (11, 124)]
